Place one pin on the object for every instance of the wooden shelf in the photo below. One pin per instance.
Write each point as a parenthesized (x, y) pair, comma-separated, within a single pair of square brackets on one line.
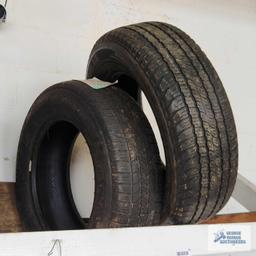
[(233, 218), (9, 218)]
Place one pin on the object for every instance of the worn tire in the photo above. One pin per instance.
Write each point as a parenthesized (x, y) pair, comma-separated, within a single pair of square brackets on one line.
[(191, 108), (124, 152)]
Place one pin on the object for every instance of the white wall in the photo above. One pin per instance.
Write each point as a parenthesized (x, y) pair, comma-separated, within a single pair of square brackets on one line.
[(44, 42)]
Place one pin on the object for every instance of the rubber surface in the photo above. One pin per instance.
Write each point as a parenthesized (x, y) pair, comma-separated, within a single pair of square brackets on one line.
[(191, 108), (124, 152)]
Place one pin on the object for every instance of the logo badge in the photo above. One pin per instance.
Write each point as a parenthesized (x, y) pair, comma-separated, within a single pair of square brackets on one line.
[(229, 238)]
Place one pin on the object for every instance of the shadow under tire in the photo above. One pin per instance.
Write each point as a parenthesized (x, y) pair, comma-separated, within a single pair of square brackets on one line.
[(123, 149), (191, 108)]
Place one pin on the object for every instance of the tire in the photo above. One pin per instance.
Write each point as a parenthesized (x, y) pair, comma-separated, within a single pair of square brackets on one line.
[(191, 108), (123, 149)]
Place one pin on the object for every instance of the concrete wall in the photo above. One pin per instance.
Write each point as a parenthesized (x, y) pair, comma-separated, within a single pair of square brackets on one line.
[(44, 42)]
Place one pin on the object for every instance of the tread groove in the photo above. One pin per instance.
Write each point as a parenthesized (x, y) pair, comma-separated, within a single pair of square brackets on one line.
[(195, 103), (221, 108), (208, 97)]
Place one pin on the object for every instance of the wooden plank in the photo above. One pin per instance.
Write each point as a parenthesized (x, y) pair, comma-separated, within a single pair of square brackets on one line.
[(10, 221), (233, 218), (9, 218)]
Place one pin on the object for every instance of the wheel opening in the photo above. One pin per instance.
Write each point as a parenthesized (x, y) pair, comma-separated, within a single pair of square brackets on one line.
[(82, 178), (62, 179)]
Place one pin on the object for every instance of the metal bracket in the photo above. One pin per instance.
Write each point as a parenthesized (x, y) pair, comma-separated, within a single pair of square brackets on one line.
[(245, 193)]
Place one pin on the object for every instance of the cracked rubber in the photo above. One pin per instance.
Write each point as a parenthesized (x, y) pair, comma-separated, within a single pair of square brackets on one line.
[(124, 152), (191, 108)]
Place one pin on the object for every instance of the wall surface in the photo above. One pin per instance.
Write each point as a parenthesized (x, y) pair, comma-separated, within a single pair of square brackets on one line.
[(44, 42)]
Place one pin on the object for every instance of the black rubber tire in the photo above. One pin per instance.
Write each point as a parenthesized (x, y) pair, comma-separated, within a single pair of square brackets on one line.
[(2, 12), (123, 149), (191, 108)]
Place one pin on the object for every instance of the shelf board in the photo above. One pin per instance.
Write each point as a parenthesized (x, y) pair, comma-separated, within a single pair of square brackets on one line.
[(148, 241)]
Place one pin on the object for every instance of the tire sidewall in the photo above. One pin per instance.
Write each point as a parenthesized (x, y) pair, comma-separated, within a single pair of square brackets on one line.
[(46, 111)]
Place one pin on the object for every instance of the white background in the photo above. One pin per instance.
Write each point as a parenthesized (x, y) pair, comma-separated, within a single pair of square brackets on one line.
[(44, 42)]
